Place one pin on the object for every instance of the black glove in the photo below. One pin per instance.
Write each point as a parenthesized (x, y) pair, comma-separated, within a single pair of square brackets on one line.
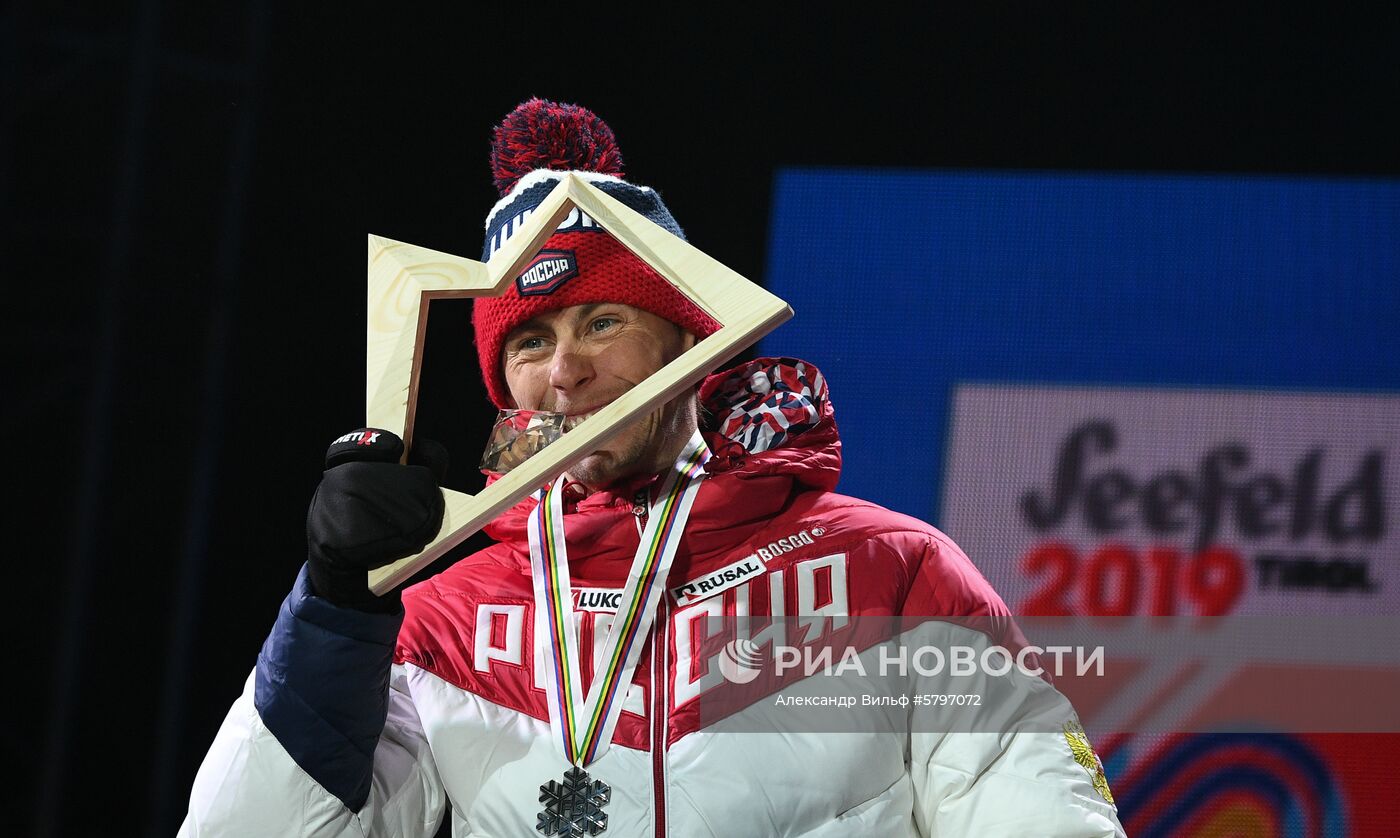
[(370, 511)]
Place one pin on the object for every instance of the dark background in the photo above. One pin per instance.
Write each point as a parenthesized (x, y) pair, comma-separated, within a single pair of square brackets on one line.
[(185, 190)]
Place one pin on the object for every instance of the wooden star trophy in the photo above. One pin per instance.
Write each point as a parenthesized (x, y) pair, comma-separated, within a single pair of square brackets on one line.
[(404, 279)]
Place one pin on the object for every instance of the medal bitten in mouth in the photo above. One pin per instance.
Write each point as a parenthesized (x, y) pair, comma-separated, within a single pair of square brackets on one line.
[(520, 434), (573, 420)]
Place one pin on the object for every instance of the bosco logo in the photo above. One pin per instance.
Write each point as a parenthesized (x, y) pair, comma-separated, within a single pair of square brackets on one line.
[(549, 270), (778, 548)]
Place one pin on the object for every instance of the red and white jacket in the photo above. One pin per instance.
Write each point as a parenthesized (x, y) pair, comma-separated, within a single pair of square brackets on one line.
[(355, 724)]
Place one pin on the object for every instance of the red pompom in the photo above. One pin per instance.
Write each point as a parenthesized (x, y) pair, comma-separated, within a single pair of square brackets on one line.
[(541, 134)]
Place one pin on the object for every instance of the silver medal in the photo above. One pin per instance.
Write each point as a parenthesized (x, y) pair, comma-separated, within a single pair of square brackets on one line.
[(574, 807)]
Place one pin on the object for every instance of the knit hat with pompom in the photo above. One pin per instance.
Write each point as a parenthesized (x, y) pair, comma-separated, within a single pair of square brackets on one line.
[(581, 263)]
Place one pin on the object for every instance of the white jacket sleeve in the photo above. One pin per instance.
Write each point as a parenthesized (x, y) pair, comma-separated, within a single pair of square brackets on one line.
[(249, 785), (988, 784), (1006, 754), (1018, 763)]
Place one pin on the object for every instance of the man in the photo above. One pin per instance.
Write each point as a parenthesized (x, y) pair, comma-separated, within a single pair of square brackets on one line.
[(553, 682)]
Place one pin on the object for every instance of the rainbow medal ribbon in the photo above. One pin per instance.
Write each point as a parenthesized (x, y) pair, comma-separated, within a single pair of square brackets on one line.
[(583, 725)]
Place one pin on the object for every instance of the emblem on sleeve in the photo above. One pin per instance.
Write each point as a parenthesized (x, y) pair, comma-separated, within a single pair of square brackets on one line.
[(1084, 755)]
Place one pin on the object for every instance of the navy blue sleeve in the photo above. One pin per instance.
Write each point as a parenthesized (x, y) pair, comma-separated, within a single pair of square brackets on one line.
[(322, 688)]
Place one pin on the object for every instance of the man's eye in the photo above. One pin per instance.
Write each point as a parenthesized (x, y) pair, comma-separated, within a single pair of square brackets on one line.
[(603, 324), (529, 344)]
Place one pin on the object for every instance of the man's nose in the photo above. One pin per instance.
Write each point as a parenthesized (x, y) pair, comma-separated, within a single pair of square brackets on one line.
[(570, 368)]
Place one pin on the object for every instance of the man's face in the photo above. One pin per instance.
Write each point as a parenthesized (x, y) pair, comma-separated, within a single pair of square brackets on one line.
[(579, 359)]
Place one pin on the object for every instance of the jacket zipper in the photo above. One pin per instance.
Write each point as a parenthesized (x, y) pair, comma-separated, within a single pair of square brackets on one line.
[(660, 696), (639, 511), (659, 685)]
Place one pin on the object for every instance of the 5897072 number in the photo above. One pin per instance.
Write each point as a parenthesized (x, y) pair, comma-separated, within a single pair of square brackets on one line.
[(1118, 581)]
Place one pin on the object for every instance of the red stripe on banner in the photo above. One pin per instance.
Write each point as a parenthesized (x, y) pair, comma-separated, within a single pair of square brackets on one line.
[(1300, 789)]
